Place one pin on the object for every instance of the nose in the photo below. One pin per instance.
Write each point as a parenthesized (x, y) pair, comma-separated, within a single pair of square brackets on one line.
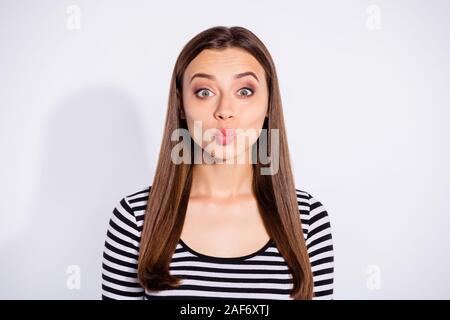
[(224, 110)]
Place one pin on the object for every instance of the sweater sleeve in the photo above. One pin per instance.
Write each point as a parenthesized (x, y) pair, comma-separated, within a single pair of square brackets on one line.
[(319, 243), (120, 256)]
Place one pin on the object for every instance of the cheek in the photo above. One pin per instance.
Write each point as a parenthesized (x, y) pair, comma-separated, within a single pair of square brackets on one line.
[(253, 117), (259, 106), (194, 110), (198, 121), (196, 117)]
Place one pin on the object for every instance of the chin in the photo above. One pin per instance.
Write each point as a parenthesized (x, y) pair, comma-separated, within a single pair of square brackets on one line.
[(220, 154)]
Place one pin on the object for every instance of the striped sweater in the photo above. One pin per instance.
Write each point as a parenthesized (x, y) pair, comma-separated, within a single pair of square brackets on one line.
[(260, 275)]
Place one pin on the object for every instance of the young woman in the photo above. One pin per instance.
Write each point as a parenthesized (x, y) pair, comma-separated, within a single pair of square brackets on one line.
[(221, 219)]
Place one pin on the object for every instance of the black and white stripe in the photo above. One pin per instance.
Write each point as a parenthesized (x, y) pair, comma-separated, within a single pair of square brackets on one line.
[(261, 275)]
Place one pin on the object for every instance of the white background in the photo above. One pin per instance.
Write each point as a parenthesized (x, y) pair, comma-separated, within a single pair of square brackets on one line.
[(82, 113)]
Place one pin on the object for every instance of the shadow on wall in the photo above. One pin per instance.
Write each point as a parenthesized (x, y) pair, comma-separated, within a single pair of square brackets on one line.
[(93, 151)]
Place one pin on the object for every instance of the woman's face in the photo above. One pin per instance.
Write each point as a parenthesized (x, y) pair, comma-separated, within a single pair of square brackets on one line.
[(225, 89)]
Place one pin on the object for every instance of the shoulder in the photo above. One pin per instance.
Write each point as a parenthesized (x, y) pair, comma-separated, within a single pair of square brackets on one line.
[(141, 192), (319, 243), (313, 213), (137, 202), (128, 214)]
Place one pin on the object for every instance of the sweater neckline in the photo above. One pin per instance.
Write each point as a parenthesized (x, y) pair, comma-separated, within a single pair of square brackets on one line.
[(225, 259)]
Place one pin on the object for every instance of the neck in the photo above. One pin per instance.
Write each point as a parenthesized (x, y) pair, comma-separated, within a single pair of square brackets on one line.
[(221, 180)]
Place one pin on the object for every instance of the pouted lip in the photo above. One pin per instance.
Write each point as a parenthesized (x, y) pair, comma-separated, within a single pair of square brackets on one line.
[(226, 131)]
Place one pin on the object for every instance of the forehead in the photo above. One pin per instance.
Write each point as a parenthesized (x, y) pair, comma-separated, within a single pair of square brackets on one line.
[(224, 63)]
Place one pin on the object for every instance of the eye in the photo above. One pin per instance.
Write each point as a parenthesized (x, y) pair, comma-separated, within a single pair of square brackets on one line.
[(201, 91), (249, 92)]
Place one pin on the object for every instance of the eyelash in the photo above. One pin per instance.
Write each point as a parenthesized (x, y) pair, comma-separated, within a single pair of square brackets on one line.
[(245, 97)]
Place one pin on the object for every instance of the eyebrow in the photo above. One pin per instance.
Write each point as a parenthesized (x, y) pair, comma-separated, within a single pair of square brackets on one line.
[(236, 76)]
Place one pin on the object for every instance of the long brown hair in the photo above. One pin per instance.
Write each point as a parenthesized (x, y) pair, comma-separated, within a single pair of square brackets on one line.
[(170, 190)]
